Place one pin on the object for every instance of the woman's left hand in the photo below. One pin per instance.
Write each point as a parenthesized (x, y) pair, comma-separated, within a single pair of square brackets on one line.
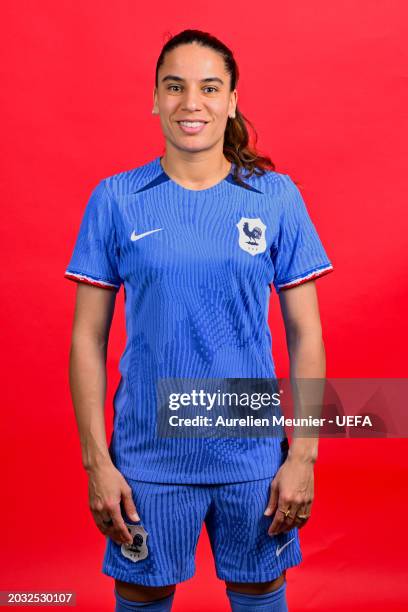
[(291, 489)]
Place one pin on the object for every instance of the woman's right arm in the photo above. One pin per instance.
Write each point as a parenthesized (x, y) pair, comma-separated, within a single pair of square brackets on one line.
[(93, 315)]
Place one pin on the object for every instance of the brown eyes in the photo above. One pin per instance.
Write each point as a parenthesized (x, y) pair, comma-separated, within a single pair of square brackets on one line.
[(171, 87)]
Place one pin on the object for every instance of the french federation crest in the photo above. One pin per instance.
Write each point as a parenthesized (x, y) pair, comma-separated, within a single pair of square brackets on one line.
[(252, 235), (138, 549)]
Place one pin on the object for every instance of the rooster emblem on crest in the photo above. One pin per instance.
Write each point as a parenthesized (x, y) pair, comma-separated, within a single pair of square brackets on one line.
[(252, 235)]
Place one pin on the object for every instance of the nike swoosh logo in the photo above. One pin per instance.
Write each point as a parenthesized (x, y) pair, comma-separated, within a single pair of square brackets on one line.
[(279, 549), (135, 236)]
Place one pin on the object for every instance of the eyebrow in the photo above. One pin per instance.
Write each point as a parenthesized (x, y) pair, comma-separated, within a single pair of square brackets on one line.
[(173, 77)]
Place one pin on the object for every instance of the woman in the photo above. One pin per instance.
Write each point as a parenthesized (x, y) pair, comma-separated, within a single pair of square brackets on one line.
[(197, 237)]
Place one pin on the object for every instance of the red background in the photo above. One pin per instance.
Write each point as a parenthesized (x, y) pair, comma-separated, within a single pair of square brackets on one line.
[(325, 85)]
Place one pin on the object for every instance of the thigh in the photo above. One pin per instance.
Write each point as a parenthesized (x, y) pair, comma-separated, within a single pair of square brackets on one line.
[(238, 532), (164, 540), (138, 592)]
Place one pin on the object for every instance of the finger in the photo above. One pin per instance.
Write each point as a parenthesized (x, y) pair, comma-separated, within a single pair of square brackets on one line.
[(276, 524), (119, 527), (112, 532), (304, 510), (129, 505), (279, 519), (106, 513), (291, 519), (273, 499), (106, 519), (103, 512), (99, 522)]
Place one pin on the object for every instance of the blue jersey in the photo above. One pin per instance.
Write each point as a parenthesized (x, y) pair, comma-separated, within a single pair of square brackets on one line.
[(197, 267)]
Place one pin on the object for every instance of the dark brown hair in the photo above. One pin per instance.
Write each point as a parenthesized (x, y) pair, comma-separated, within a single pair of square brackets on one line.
[(237, 148)]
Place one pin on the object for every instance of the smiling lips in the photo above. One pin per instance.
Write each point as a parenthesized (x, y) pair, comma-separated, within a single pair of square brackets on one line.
[(191, 127)]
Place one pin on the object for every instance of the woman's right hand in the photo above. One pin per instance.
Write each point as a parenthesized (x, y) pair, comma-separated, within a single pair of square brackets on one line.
[(107, 487)]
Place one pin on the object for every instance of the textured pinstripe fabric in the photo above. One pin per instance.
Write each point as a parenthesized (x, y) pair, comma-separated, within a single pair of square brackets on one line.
[(197, 269), (172, 516)]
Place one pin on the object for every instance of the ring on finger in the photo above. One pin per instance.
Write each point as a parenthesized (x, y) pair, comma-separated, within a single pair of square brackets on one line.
[(286, 513)]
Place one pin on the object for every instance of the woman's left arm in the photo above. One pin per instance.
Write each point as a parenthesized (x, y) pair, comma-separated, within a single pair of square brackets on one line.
[(292, 488)]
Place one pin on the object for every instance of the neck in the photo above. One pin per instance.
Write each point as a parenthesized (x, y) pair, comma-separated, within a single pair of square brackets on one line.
[(195, 170)]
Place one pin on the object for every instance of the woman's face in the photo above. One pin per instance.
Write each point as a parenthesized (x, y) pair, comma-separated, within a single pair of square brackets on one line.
[(193, 85)]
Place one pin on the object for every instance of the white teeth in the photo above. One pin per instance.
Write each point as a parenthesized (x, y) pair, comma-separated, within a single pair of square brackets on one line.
[(192, 124)]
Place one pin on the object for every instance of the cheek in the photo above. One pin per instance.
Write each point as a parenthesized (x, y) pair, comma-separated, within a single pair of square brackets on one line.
[(166, 122), (167, 110), (220, 122), (219, 114)]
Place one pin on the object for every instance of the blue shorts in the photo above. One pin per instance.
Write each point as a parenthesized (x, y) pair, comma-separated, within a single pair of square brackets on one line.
[(165, 540)]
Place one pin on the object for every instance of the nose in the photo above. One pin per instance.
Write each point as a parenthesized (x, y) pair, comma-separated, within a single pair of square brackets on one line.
[(191, 99)]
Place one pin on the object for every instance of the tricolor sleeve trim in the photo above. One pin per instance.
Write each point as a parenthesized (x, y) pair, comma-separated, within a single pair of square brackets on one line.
[(83, 278), (306, 277)]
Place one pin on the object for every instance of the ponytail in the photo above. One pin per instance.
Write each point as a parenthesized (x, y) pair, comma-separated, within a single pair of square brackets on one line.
[(238, 150)]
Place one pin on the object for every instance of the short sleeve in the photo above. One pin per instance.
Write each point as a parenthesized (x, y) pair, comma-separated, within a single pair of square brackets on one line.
[(95, 256), (298, 254)]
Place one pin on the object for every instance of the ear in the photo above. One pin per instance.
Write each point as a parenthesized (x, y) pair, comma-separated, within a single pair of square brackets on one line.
[(233, 103), (155, 109)]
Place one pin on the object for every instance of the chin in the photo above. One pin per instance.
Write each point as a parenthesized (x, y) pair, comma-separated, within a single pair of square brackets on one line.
[(193, 148)]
